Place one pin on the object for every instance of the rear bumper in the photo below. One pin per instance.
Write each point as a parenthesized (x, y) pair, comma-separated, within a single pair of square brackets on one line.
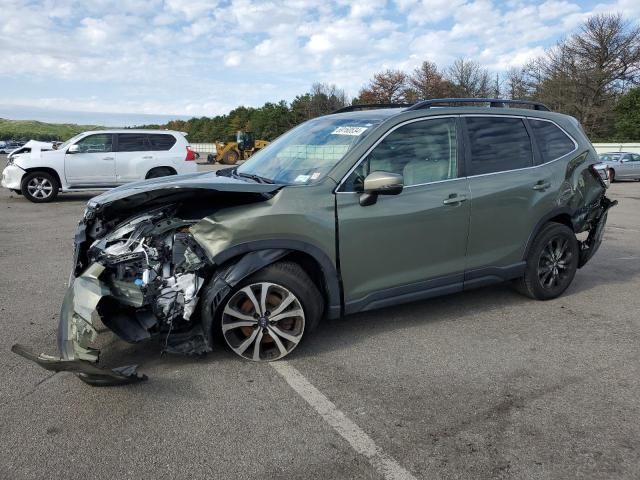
[(12, 177), (590, 246)]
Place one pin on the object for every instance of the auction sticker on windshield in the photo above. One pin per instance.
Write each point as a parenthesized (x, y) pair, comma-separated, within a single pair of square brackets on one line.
[(349, 131)]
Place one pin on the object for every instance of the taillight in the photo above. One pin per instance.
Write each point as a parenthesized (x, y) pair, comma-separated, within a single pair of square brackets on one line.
[(191, 155)]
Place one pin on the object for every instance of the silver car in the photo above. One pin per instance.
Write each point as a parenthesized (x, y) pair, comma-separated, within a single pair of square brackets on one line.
[(622, 165)]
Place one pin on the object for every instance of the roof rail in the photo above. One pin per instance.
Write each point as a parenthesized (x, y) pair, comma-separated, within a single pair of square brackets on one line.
[(493, 103), (367, 106)]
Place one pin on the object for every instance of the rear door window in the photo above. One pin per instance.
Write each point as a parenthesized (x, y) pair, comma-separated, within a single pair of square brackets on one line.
[(498, 144), (553, 143), (160, 142), (132, 142)]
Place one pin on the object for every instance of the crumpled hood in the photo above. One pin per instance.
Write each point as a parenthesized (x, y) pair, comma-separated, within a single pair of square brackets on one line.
[(37, 154), (149, 189)]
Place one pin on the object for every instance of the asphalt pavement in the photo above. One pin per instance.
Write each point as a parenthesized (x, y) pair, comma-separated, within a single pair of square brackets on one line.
[(484, 384)]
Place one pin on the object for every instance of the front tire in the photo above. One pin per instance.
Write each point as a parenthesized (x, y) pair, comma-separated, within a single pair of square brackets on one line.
[(551, 264), (265, 316), (40, 187), (612, 175)]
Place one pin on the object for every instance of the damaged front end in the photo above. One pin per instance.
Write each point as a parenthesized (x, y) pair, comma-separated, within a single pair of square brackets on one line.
[(143, 280), (139, 272)]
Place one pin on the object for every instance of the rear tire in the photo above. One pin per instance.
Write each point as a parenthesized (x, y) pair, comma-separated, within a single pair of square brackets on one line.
[(40, 187), (159, 172), (551, 264), (278, 329)]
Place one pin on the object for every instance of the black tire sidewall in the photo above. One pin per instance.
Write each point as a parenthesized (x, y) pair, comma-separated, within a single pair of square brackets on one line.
[(290, 276), (532, 280), (52, 179)]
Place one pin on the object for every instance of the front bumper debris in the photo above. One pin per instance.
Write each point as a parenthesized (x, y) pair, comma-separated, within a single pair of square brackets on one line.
[(77, 333), (86, 371)]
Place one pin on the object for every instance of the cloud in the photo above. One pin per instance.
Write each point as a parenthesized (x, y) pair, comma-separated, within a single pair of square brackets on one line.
[(207, 56)]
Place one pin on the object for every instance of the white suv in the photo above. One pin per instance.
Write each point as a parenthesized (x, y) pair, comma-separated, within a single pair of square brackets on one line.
[(99, 160)]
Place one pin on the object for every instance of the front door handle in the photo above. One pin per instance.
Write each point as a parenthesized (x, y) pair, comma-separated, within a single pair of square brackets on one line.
[(542, 185), (107, 158), (454, 199)]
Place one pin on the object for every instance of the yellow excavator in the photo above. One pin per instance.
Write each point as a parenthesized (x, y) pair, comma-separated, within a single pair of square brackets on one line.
[(228, 153)]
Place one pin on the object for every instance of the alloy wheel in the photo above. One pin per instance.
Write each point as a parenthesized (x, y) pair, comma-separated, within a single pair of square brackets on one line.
[(40, 187), (263, 321), (555, 262)]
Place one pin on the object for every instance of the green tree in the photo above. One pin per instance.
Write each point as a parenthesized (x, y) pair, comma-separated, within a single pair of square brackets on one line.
[(627, 117)]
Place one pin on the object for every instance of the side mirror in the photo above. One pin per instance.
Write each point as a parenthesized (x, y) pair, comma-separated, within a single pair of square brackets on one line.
[(73, 149), (380, 183)]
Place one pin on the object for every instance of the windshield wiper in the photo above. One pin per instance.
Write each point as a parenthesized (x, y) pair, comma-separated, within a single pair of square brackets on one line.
[(252, 176)]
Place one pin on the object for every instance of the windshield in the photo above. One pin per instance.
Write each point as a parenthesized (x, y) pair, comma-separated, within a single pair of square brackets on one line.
[(307, 153), (69, 142)]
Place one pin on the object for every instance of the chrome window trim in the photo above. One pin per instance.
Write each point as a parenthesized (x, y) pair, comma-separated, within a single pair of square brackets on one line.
[(391, 130), (575, 147), (575, 144)]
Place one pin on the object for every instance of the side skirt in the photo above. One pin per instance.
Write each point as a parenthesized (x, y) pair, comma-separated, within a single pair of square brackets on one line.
[(435, 287)]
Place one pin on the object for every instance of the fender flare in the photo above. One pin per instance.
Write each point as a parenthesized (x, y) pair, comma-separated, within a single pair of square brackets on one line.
[(332, 279)]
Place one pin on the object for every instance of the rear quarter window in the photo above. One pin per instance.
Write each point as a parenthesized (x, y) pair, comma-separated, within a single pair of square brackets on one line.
[(552, 142), (132, 142), (161, 141), (498, 144)]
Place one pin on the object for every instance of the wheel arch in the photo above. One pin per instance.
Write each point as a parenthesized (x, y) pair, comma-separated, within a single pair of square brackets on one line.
[(49, 170), (311, 259), (560, 215), (168, 167)]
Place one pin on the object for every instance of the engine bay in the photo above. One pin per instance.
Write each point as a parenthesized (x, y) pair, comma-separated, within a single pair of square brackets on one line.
[(155, 271)]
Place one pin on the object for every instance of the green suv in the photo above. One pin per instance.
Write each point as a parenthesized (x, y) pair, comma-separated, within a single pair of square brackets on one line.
[(349, 212)]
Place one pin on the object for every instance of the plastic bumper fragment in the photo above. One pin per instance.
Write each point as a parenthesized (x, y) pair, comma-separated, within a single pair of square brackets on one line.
[(86, 371)]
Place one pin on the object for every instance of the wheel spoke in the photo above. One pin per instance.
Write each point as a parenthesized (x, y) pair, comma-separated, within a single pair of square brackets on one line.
[(545, 278), (563, 248), (263, 297), (244, 345), (251, 296), (235, 313), (230, 326), (290, 313), (278, 342), (284, 304), (256, 346), (285, 335)]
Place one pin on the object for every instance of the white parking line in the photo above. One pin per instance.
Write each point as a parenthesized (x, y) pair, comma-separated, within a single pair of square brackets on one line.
[(352, 433)]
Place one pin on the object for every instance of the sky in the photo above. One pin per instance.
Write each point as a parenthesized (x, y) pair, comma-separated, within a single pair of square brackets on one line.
[(205, 57)]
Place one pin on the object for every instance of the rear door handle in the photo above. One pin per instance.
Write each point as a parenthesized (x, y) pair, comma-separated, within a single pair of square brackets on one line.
[(453, 199), (107, 158), (542, 185), (148, 157)]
